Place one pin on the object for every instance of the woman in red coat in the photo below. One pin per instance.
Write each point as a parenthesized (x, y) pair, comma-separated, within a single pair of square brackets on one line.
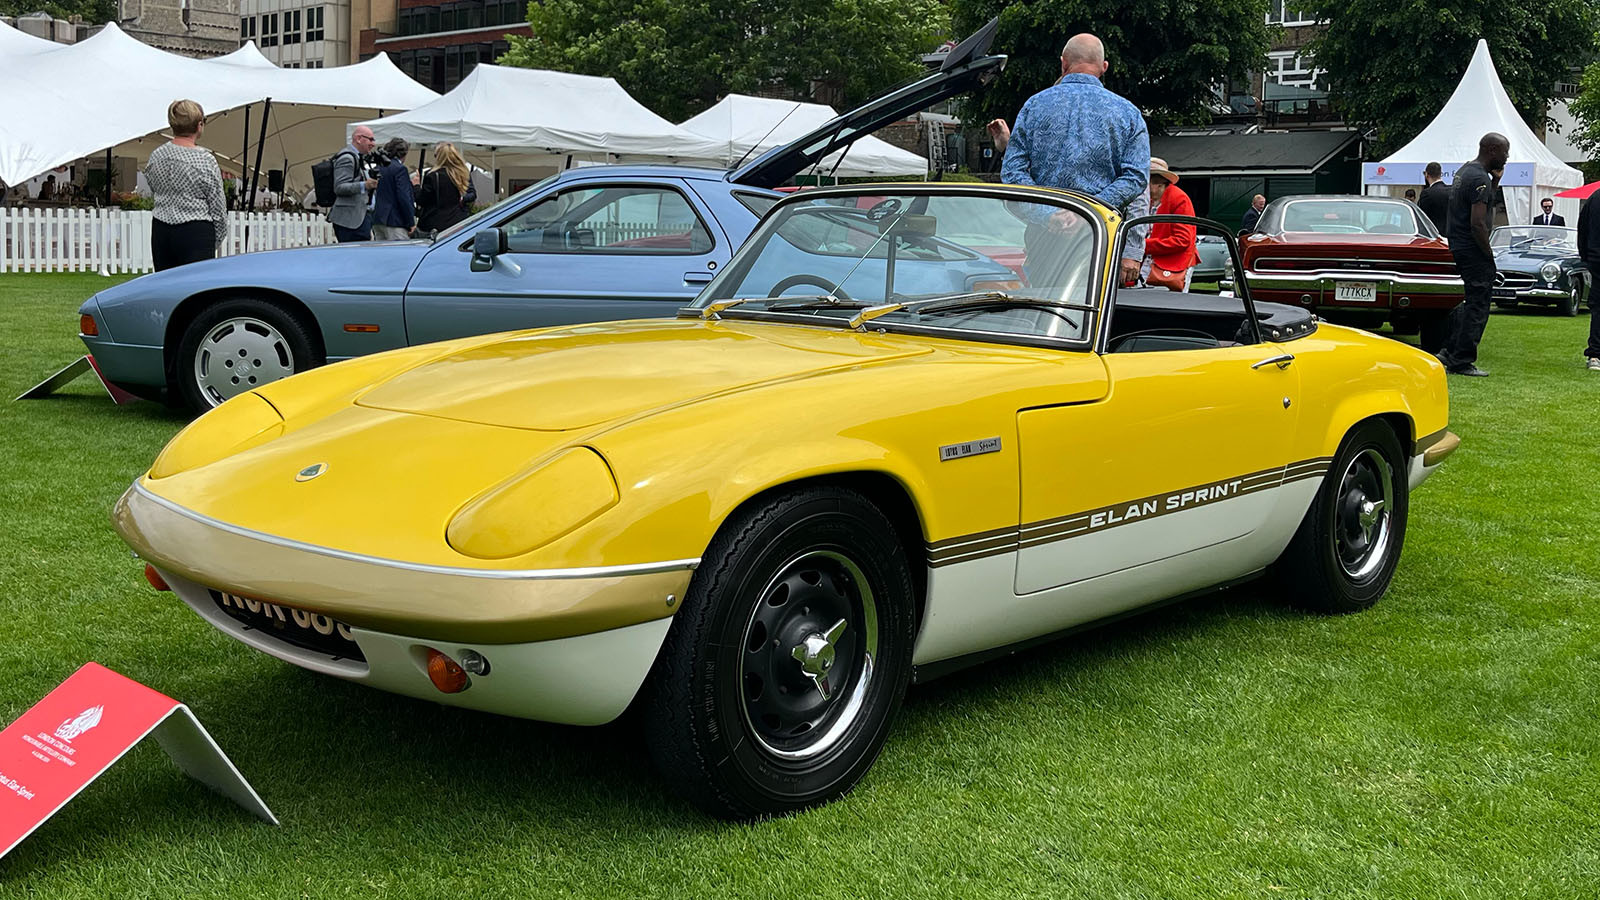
[(1170, 247)]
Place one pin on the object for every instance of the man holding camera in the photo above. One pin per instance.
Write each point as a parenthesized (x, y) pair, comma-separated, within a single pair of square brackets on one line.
[(350, 216), (394, 211)]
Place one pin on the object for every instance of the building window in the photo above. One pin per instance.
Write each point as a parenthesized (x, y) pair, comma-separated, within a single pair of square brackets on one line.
[(1283, 12), (1296, 69), (314, 30), (291, 27), (269, 30)]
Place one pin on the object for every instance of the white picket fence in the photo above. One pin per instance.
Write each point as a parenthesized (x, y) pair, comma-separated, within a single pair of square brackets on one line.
[(118, 241)]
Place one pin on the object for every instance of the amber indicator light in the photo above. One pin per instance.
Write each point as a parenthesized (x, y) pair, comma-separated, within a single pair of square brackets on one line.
[(87, 326), (155, 579), (360, 328), (445, 674)]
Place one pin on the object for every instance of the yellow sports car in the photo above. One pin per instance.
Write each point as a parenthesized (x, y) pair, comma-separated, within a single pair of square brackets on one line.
[(906, 428)]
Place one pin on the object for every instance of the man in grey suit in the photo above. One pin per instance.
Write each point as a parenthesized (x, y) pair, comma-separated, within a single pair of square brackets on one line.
[(352, 220)]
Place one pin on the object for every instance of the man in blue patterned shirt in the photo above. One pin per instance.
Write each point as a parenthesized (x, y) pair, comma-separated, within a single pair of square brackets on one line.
[(1080, 136)]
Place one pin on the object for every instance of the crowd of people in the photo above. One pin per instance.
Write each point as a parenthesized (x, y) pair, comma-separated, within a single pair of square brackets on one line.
[(376, 196)]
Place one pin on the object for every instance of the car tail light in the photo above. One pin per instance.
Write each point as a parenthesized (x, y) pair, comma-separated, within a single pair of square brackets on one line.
[(445, 674), (996, 285), (86, 324), (155, 579)]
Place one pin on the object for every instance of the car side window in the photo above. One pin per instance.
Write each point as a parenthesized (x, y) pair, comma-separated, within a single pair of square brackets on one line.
[(612, 219)]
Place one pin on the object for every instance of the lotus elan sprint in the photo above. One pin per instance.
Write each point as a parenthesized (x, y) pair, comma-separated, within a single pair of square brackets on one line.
[(868, 453)]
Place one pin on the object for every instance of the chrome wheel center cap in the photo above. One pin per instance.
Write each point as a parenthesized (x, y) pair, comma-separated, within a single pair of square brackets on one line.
[(1368, 516), (815, 655)]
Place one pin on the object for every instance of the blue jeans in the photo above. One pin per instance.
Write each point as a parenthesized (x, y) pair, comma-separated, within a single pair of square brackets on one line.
[(345, 235)]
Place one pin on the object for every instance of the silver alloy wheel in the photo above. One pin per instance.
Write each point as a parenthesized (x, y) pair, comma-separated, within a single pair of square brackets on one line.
[(812, 636), (240, 354), (1364, 514)]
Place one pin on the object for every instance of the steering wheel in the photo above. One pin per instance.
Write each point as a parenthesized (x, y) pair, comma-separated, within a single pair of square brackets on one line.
[(813, 280), (883, 209)]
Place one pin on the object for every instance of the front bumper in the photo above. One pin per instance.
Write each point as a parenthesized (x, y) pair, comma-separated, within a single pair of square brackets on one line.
[(1542, 294), (496, 606), (564, 645)]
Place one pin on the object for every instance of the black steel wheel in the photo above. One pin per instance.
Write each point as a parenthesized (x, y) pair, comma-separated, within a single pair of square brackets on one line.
[(1345, 552), (778, 681)]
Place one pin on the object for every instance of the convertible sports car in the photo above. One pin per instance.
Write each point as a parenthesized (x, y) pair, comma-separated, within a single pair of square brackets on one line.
[(589, 244), (1539, 264), (867, 454), (1359, 260)]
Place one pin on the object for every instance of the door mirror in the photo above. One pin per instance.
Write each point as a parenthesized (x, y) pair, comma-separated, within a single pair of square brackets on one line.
[(486, 245)]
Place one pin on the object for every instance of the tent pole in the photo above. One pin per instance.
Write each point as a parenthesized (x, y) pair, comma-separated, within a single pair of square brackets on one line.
[(255, 174), (108, 177), (244, 154), (261, 147)]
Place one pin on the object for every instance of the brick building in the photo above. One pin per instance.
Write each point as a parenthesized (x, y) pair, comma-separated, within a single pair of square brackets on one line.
[(437, 43)]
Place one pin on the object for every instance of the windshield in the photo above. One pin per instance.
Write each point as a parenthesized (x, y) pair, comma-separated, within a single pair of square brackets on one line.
[(1356, 215), (955, 260), (493, 212), (1540, 236)]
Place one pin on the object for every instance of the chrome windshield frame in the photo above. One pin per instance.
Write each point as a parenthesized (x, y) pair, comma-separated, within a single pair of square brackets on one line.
[(1082, 205)]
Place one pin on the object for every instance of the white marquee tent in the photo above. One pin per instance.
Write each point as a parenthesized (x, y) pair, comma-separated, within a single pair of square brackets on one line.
[(739, 123), (1478, 106), (111, 90), (536, 116)]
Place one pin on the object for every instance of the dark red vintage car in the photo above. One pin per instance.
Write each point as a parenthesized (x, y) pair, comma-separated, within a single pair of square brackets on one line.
[(1353, 259)]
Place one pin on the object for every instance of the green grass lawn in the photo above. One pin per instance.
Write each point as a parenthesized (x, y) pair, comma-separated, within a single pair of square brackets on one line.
[(1444, 744)]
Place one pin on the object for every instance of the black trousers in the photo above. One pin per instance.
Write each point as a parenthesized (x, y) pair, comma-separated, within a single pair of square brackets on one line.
[(1468, 320), (178, 245)]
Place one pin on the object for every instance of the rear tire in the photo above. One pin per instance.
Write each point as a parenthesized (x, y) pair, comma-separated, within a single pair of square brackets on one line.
[(1343, 557), (239, 345), (784, 668)]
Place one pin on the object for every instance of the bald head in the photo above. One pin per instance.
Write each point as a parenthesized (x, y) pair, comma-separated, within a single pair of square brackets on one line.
[(1084, 54), (1493, 150), (362, 139)]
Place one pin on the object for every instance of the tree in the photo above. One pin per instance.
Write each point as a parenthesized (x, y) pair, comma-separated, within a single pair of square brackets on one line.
[(1166, 55), (1586, 112), (94, 12), (1391, 66), (678, 57)]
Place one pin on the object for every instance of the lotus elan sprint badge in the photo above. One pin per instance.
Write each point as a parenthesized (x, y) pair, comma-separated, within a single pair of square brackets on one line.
[(311, 471), (970, 448)]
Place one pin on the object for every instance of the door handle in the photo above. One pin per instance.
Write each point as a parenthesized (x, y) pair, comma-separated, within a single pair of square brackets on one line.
[(1282, 361), (697, 278)]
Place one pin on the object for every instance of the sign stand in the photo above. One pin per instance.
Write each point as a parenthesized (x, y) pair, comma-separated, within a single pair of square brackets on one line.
[(70, 374), (55, 749)]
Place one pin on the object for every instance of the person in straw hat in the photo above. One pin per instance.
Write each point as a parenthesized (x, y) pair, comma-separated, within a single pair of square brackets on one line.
[(1170, 254)]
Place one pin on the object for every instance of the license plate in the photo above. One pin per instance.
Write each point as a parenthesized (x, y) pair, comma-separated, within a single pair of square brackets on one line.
[(1355, 292), (307, 630)]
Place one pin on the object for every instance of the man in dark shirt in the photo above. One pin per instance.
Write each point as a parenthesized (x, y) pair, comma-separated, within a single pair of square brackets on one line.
[(1435, 198), (1589, 252), (1467, 227), (1253, 215)]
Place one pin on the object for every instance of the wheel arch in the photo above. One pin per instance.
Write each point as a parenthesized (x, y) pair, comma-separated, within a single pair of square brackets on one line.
[(891, 496), (190, 308)]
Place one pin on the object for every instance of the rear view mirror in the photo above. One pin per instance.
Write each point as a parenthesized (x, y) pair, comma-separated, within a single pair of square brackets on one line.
[(486, 245)]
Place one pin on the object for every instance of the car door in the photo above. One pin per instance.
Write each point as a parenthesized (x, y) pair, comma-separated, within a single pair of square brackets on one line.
[(590, 250), (1181, 462)]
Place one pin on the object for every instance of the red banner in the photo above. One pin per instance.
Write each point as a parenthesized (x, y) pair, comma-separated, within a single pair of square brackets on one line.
[(79, 729)]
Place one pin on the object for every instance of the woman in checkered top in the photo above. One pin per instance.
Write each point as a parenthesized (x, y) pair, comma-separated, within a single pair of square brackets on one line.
[(190, 214)]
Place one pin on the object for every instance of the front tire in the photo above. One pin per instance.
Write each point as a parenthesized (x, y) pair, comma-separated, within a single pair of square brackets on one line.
[(785, 666), (1343, 557), (236, 346), (1569, 307)]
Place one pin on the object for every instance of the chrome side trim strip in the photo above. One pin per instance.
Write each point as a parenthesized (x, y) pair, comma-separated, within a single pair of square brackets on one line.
[(671, 565)]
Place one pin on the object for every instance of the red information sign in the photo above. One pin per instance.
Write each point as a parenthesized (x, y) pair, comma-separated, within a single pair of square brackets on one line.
[(83, 726)]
